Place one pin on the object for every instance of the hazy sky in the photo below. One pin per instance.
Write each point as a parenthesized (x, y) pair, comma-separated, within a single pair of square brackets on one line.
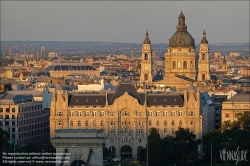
[(123, 21)]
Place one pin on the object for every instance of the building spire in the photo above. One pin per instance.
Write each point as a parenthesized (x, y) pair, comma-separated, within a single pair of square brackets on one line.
[(146, 41), (204, 38), (224, 60), (181, 22)]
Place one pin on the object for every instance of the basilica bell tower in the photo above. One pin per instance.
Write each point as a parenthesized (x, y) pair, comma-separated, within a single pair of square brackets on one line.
[(203, 62), (146, 61)]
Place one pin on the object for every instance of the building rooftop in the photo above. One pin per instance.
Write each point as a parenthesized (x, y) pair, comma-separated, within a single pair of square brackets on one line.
[(240, 97)]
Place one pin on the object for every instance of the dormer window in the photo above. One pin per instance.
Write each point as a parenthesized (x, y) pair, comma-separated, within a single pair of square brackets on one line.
[(96, 100), (76, 100), (155, 100), (87, 100)]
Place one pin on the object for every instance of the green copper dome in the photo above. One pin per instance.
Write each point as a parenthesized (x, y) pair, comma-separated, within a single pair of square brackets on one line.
[(181, 38)]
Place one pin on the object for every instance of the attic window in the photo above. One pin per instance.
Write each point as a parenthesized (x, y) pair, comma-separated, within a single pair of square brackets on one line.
[(87, 100), (154, 100), (175, 100), (96, 100), (76, 100), (165, 100)]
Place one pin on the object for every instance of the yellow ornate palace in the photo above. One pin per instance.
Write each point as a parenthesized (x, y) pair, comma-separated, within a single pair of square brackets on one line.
[(122, 115)]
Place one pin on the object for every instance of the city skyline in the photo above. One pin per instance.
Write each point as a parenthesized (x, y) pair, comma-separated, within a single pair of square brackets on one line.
[(123, 21)]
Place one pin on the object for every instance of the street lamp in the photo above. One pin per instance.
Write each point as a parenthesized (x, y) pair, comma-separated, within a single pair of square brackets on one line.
[(211, 154), (146, 119), (14, 152)]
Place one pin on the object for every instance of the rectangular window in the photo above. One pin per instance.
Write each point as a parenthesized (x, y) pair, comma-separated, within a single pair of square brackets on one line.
[(226, 115), (13, 116), (165, 113), (139, 139), (86, 123), (1, 109), (93, 113), (79, 113), (102, 113), (86, 113), (102, 123), (112, 139), (7, 110), (172, 113), (112, 122), (139, 130), (150, 113), (79, 123), (139, 114), (111, 113), (158, 113), (180, 113), (111, 130), (71, 113), (13, 110)]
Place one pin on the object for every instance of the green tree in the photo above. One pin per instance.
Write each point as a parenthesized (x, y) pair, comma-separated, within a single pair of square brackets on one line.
[(237, 133), (186, 145), (154, 148), (168, 150), (214, 136)]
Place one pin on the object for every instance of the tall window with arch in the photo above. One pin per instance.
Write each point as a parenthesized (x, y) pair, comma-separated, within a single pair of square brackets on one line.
[(145, 77), (203, 56), (174, 64), (185, 64), (146, 56), (179, 64)]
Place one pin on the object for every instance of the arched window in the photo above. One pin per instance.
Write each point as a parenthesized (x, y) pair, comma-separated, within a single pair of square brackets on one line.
[(203, 77), (173, 122), (157, 123), (203, 56), (145, 77), (165, 123), (146, 56), (179, 64), (185, 64), (71, 123), (94, 123), (180, 123), (174, 64)]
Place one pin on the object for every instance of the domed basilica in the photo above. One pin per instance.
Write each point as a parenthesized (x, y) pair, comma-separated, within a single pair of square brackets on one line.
[(183, 65)]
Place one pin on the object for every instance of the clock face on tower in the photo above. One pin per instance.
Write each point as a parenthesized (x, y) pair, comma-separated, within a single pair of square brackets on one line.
[(146, 67)]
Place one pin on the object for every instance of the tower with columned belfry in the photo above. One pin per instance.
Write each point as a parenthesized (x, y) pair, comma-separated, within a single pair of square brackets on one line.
[(203, 62), (146, 61)]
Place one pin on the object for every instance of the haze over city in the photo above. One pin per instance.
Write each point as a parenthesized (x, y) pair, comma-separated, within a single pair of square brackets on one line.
[(86, 83), (125, 21)]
